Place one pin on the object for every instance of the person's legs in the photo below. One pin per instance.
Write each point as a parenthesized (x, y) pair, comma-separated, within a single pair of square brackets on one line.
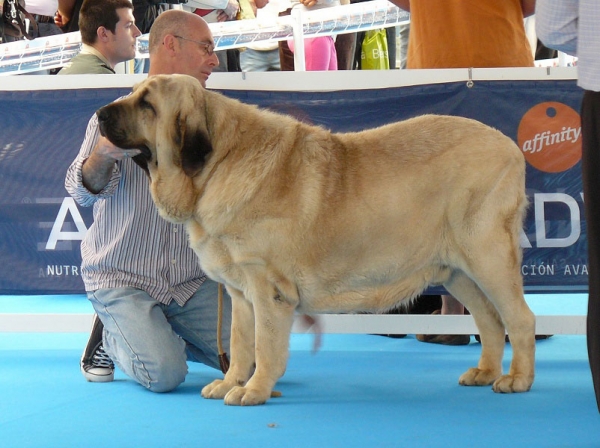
[(139, 339), (345, 46), (333, 58), (452, 306), (196, 323), (96, 365), (273, 60), (390, 34), (286, 57), (404, 31), (320, 54), (590, 127), (254, 60)]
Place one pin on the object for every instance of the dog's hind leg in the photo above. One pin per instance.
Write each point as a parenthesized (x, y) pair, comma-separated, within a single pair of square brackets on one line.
[(497, 273), (505, 290), (242, 348), (490, 328)]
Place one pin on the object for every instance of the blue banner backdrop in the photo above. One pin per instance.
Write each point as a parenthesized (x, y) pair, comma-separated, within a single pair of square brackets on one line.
[(41, 131)]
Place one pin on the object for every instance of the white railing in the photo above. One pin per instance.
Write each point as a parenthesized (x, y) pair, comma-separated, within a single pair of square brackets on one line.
[(55, 51)]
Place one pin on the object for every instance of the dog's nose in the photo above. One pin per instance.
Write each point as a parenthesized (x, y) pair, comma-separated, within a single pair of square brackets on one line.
[(102, 114)]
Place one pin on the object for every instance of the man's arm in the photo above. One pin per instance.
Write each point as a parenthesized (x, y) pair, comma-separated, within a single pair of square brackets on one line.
[(528, 7), (97, 170), (229, 7), (402, 4), (93, 174), (259, 3), (64, 12), (556, 24)]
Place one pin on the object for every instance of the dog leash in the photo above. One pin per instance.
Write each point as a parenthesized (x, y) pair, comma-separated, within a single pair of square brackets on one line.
[(223, 359)]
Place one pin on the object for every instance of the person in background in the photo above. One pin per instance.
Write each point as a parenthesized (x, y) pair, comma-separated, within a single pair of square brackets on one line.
[(213, 11), (108, 34), (464, 34), (403, 34), (40, 11), (572, 26), (320, 53), (43, 11), (145, 13), (468, 33), (261, 56), (66, 17), (345, 47)]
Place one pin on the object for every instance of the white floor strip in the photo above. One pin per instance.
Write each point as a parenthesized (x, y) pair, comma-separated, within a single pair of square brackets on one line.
[(331, 323)]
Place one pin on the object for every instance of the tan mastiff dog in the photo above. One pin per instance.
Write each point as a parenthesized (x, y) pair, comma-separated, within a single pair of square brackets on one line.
[(292, 217)]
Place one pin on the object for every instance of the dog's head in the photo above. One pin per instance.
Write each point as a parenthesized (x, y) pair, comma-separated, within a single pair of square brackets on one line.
[(163, 118)]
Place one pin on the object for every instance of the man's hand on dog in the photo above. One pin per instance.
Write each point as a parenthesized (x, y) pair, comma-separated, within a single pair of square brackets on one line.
[(105, 149)]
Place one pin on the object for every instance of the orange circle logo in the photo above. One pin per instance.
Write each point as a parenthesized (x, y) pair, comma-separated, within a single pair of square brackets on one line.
[(550, 137)]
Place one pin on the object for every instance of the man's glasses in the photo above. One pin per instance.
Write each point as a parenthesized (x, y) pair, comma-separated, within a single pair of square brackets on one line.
[(209, 47)]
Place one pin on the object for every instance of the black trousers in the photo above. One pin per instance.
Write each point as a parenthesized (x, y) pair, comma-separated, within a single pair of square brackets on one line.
[(590, 129)]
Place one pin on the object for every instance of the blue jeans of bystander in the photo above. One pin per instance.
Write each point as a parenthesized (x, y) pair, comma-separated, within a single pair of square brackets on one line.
[(260, 60)]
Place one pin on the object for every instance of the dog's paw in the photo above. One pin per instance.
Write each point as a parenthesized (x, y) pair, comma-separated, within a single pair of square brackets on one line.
[(478, 377), (508, 384), (216, 390), (243, 396)]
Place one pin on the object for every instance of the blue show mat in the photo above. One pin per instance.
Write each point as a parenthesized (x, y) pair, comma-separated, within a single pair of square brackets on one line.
[(358, 391)]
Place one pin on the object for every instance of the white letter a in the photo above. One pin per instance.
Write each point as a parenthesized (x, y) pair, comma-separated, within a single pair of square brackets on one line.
[(68, 205)]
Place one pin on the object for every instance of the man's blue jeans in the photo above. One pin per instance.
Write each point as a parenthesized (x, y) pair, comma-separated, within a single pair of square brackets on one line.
[(152, 342)]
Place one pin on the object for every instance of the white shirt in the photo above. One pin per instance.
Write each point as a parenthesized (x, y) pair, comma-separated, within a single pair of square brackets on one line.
[(573, 27), (42, 7), (285, 4)]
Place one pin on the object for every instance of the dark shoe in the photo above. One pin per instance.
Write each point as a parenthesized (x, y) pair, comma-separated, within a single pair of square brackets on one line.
[(96, 365), (444, 339), (538, 337)]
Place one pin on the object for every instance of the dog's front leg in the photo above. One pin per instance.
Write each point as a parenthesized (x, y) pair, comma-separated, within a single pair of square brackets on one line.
[(242, 348), (274, 317)]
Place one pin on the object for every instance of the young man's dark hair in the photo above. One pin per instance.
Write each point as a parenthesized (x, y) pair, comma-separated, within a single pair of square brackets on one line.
[(97, 13)]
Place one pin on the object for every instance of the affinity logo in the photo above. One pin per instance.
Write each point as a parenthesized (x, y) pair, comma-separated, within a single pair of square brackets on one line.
[(550, 137)]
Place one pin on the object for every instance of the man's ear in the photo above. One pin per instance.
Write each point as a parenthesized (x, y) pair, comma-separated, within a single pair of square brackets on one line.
[(169, 42), (102, 34)]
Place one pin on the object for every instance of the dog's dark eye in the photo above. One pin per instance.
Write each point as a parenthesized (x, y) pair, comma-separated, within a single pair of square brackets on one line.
[(146, 105)]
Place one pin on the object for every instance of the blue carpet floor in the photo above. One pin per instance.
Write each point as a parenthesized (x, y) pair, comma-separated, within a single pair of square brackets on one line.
[(358, 391)]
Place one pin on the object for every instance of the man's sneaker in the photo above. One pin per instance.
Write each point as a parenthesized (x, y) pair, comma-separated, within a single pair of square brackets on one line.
[(96, 366)]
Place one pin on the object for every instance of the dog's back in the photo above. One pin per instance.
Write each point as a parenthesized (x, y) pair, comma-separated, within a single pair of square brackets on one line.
[(398, 207)]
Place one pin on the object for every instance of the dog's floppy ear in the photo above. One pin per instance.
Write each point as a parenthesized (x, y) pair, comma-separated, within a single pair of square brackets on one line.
[(195, 147)]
